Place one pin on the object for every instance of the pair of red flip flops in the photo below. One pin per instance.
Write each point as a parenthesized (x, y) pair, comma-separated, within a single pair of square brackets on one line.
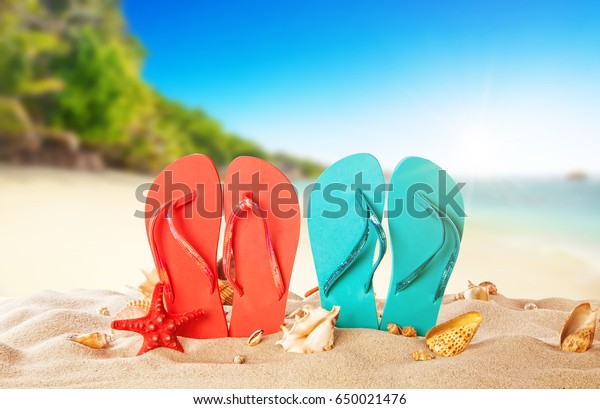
[(184, 209)]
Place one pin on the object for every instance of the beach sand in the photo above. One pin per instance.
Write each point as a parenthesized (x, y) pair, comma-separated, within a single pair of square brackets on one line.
[(62, 230), (512, 349)]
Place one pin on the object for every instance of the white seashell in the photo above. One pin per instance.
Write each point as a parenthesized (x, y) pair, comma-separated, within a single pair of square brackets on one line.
[(476, 293), (530, 306), (239, 359), (311, 333)]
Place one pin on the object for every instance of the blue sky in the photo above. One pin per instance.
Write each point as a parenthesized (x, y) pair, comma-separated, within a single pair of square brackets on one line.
[(485, 88)]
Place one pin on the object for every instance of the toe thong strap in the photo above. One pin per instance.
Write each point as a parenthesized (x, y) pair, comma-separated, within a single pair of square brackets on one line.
[(248, 206), (371, 220), (165, 212), (447, 224)]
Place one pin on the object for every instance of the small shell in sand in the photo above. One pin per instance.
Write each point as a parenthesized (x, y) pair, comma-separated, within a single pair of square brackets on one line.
[(103, 311), (255, 338), (530, 306), (421, 355), (393, 328), (143, 305), (239, 359), (130, 312), (397, 330), (577, 334), (476, 292), (94, 340), (311, 333), (491, 287), (452, 337)]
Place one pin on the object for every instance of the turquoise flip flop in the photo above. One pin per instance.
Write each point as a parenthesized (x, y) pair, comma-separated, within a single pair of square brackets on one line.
[(426, 228), (344, 224)]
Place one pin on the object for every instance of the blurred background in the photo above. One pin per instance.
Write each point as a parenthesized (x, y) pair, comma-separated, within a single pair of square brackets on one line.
[(96, 97)]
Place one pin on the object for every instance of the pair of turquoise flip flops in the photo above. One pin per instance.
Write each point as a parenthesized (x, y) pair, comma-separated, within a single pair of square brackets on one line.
[(426, 218)]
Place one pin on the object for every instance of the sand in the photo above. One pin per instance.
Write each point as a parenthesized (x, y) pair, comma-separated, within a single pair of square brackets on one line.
[(63, 230), (512, 349)]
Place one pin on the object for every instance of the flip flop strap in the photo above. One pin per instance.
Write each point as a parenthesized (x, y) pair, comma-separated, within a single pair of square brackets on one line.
[(247, 205), (447, 224), (166, 209), (371, 219)]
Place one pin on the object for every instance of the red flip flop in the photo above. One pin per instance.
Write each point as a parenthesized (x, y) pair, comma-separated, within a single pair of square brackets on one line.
[(183, 218), (263, 227)]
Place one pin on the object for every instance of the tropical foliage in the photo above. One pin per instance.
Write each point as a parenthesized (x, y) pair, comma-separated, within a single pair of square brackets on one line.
[(70, 69)]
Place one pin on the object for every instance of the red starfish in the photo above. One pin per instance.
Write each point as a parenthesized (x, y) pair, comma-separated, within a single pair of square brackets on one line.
[(158, 327)]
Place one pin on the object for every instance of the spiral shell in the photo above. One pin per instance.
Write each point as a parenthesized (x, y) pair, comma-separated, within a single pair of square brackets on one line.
[(94, 340), (491, 287), (311, 333), (577, 334), (397, 330), (452, 337)]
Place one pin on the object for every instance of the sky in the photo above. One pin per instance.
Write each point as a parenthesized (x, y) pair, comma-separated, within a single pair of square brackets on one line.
[(481, 88)]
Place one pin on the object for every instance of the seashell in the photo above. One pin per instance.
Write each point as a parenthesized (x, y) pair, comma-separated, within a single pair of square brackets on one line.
[(95, 340), (103, 311), (226, 292), (393, 328), (491, 287), (130, 312), (421, 355), (397, 330), (255, 338), (311, 292), (239, 359), (409, 331), (147, 287), (297, 312), (143, 305), (476, 293), (530, 306), (452, 337), (311, 333), (577, 334)]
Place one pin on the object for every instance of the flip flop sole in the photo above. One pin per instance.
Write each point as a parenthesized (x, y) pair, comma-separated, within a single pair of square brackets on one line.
[(260, 306), (414, 237), (198, 222), (335, 226)]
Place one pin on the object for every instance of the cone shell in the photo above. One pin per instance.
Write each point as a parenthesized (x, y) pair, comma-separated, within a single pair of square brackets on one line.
[(311, 333), (421, 355), (452, 337), (577, 334), (226, 292), (94, 340)]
